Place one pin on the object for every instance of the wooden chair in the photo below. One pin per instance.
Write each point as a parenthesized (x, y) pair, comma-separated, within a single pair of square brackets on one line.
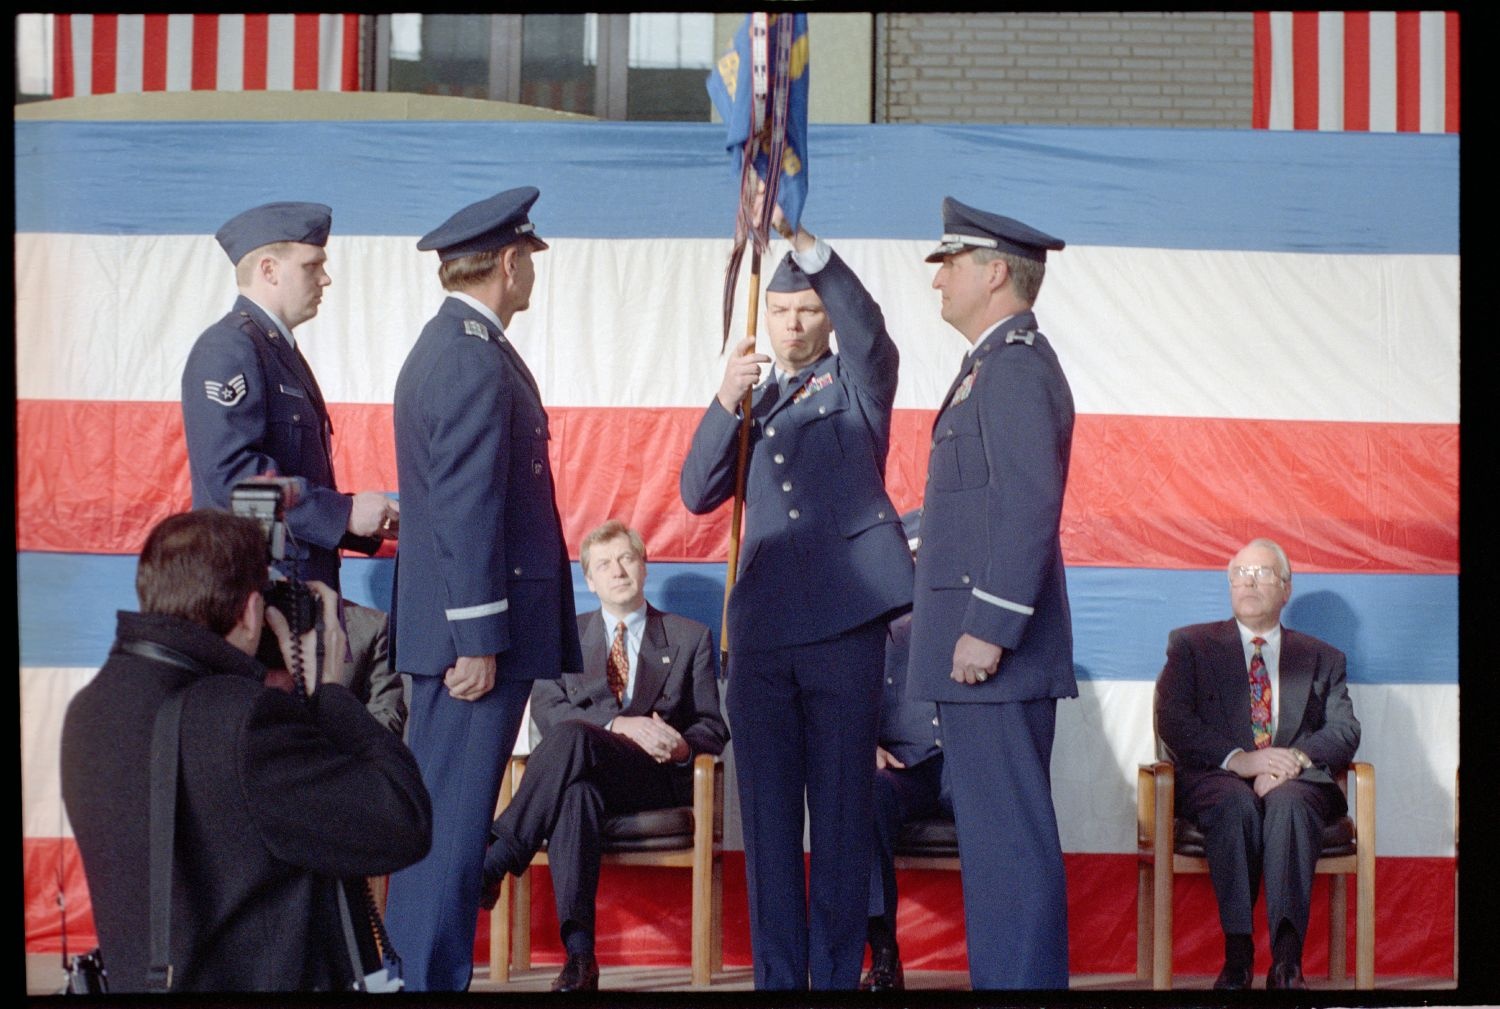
[(1167, 845), (687, 837)]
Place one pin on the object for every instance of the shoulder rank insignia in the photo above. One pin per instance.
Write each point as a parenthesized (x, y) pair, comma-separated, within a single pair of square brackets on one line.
[(818, 382), (225, 393), (475, 328), (966, 386), (1026, 336)]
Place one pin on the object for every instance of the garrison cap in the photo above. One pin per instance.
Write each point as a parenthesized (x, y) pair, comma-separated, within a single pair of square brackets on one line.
[(964, 228), (788, 278), (275, 222), (484, 226)]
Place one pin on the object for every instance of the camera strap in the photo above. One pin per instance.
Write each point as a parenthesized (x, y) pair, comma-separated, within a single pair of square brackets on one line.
[(165, 742)]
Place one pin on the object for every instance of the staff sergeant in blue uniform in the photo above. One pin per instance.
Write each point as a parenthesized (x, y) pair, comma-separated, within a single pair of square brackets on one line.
[(823, 568), (992, 639), (250, 403), (484, 590)]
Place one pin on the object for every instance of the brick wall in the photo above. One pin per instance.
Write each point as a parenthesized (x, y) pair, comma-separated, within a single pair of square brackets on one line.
[(1108, 69)]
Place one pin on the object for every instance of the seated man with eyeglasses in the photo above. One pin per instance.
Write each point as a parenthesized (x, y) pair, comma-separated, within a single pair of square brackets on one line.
[(1258, 720)]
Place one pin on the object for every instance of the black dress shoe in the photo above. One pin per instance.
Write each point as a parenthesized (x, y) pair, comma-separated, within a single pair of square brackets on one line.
[(1285, 976), (885, 972), (1234, 977), (580, 973)]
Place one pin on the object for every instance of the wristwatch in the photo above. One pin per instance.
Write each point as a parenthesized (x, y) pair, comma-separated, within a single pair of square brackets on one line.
[(1303, 759)]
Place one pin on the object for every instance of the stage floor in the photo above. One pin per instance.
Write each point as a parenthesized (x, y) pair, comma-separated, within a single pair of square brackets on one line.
[(44, 977)]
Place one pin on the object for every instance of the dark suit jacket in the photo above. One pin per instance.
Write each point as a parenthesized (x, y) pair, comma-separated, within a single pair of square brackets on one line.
[(1203, 701), (250, 405), (677, 677), (823, 552), (482, 568)]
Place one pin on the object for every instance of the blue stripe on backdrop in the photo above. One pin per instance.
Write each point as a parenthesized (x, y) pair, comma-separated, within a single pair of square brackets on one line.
[(1394, 628), (1294, 191)]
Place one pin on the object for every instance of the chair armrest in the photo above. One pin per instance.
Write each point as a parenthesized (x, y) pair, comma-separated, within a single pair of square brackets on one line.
[(1164, 829), (708, 807), (1364, 805), (510, 779), (1145, 804)]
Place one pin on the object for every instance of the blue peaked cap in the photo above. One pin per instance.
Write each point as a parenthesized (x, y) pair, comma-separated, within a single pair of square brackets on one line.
[(484, 226), (964, 227), (308, 223)]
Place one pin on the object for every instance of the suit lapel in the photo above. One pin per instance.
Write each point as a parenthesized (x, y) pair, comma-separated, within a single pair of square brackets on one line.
[(1234, 683), (1294, 681), (653, 664)]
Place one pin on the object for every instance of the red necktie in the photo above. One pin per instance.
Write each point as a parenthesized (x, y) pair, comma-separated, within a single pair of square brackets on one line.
[(619, 664), (1260, 697)]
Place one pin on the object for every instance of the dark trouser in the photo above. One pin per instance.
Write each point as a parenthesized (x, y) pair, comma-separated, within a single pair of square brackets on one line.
[(901, 794), (1247, 837), (1015, 892), (462, 747), (804, 721), (577, 776)]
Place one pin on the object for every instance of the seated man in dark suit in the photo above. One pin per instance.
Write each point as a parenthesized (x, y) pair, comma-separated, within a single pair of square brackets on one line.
[(1258, 720), (910, 782), (620, 737)]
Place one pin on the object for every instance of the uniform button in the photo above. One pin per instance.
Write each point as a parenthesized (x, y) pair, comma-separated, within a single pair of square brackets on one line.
[(822, 410), (949, 432), (538, 432), (934, 720), (779, 458), (793, 514), (536, 468), (786, 485), (937, 742), (296, 416), (890, 679), (880, 515), (518, 571), (965, 579), (770, 432)]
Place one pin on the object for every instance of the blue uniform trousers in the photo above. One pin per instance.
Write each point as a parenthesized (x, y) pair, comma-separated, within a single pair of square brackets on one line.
[(462, 748), (1015, 892), (804, 719), (902, 794)]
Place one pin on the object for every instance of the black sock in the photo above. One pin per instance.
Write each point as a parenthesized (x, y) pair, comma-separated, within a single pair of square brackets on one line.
[(1239, 951), (880, 935), (578, 941), (1286, 947)]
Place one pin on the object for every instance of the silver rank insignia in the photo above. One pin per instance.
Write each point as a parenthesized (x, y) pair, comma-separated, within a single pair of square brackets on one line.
[(966, 386), (1025, 336), (226, 393), (474, 328)]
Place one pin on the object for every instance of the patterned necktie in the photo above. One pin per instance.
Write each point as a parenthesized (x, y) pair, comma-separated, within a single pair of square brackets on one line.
[(1260, 697), (619, 664)]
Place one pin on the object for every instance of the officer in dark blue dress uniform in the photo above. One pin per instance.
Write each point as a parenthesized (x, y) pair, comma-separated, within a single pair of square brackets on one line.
[(992, 639), (484, 590), (823, 568), (250, 403)]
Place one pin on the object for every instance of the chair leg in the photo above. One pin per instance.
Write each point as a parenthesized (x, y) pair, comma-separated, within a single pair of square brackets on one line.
[(716, 917), (1161, 934), (702, 925), (1338, 927), (1143, 921), (521, 922), (1364, 928), (500, 936)]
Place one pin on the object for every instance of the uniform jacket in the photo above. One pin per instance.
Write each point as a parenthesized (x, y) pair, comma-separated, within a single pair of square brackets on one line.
[(276, 798), (823, 548), (676, 677), (990, 562), (251, 406), (482, 567), (1203, 701)]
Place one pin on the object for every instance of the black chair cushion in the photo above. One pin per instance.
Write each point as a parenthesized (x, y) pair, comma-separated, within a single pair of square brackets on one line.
[(928, 837), (1338, 838)]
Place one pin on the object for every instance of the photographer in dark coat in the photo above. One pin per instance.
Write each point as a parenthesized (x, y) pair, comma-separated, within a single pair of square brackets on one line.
[(277, 797)]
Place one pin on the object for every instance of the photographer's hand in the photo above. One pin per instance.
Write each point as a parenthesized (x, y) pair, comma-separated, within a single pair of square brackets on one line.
[(334, 645), (471, 677)]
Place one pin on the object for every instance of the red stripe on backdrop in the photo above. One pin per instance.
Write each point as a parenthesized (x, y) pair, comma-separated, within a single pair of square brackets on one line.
[(305, 52), (350, 69), (1305, 70), (205, 52), (62, 56), (1356, 70), (1451, 54), (1260, 99), (106, 52), (257, 29), (1408, 71), (1144, 492), (154, 52), (644, 916)]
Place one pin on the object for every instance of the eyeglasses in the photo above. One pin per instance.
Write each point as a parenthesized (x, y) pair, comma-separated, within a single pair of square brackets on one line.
[(1254, 573)]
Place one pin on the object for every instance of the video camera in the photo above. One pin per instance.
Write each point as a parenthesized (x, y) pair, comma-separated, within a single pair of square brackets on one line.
[(267, 499)]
